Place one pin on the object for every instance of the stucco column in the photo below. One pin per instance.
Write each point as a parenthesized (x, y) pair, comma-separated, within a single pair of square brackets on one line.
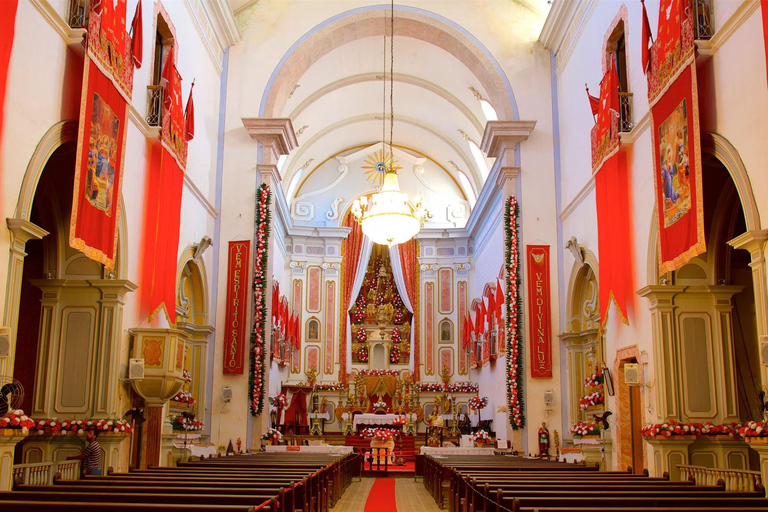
[(21, 231), (754, 242), (276, 138)]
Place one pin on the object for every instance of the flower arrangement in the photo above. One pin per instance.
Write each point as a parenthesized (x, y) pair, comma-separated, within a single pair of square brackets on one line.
[(596, 398), (280, 401), (378, 373), (187, 376), (399, 421), (16, 419), (186, 421), (394, 355), (379, 405), (676, 428), (329, 386), (513, 301), (272, 434), (481, 437), (477, 402), (361, 335), (458, 387), (362, 355), (585, 429), (753, 429), (395, 335), (399, 318), (379, 433), (183, 397), (595, 380), (258, 336), (54, 426)]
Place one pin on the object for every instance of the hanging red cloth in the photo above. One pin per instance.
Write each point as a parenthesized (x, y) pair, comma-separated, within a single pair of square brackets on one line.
[(137, 36), (350, 251), (7, 32), (647, 40), (296, 414), (409, 252), (189, 116)]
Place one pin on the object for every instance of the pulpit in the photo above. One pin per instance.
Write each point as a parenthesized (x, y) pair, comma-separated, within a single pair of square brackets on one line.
[(378, 456)]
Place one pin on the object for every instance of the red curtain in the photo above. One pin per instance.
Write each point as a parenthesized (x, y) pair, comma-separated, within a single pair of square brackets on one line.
[(165, 180), (7, 29), (350, 252), (297, 408), (409, 252)]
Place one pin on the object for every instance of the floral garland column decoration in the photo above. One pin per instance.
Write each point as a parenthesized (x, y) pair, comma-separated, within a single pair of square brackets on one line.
[(513, 304), (258, 337)]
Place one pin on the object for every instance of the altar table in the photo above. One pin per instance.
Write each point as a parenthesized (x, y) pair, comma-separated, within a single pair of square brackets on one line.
[(453, 451), (375, 419), (330, 450)]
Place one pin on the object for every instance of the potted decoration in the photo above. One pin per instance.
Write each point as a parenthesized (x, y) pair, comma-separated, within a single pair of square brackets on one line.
[(481, 438), (754, 432), (592, 400), (16, 420), (380, 405), (477, 403), (671, 428), (272, 435), (186, 422), (584, 430)]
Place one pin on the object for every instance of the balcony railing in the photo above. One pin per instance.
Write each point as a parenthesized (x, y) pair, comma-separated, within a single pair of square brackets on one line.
[(154, 105), (77, 15), (737, 480), (43, 473), (626, 123), (704, 26)]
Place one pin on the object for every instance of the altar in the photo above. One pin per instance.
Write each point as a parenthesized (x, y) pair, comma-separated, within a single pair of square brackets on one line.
[(377, 419)]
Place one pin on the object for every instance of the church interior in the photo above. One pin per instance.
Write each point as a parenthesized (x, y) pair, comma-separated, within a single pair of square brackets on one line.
[(303, 255)]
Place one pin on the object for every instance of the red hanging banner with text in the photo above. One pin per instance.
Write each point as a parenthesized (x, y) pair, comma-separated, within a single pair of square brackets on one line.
[(236, 330), (673, 98), (539, 310), (98, 171)]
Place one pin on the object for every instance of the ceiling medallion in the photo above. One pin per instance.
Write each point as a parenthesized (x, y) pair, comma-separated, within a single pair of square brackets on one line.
[(376, 166)]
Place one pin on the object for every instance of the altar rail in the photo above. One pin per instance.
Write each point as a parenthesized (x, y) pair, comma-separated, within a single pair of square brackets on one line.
[(42, 473), (735, 479)]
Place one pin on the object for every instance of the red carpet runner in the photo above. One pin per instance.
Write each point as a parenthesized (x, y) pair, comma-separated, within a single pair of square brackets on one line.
[(382, 496)]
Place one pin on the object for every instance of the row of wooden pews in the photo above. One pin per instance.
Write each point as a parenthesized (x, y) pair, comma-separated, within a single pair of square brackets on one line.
[(515, 484), (265, 482)]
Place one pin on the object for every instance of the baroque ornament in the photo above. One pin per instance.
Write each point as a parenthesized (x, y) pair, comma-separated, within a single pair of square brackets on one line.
[(258, 337), (514, 317)]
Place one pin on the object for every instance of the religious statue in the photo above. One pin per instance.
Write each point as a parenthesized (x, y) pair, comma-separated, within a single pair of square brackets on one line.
[(370, 312), (543, 440)]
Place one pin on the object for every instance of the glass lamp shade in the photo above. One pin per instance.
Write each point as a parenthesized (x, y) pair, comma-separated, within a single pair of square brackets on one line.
[(389, 219)]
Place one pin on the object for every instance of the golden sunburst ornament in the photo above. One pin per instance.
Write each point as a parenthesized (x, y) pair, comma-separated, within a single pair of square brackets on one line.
[(376, 165)]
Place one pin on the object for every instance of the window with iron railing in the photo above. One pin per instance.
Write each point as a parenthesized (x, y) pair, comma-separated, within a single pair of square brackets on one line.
[(154, 105), (704, 27), (626, 122), (77, 14)]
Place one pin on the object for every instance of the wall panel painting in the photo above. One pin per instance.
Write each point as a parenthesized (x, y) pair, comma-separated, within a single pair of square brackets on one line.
[(445, 356), (312, 357), (429, 328), (330, 309), (296, 351), (445, 286), (314, 275), (461, 298)]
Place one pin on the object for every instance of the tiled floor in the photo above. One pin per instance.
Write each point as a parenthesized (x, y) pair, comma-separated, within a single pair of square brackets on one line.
[(410, 496)]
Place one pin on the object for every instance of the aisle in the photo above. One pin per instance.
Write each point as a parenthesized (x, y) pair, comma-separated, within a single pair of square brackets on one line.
[(409, 496)]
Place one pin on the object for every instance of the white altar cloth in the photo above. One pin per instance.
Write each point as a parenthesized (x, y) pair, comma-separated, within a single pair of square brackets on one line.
[(330, 450), (198, 450), (376, 419), (437, 451), (322, 415)]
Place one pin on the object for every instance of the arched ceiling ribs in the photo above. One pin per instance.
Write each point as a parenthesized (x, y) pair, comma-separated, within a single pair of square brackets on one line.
[(399, 77)]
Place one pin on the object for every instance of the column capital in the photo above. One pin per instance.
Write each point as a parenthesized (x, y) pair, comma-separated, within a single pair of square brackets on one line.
[(507, 175), (752, 241), (502, 137), (23, 231), (275, 134)]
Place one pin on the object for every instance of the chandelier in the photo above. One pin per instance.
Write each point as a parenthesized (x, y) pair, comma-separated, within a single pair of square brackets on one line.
[(389, 218)]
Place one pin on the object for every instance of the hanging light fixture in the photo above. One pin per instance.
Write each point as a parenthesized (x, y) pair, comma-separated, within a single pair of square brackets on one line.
[(389, 218)]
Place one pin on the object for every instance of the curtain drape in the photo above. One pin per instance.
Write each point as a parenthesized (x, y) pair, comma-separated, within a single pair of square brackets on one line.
[(355, 252), (409, 269), (406, 295), (297, 406)]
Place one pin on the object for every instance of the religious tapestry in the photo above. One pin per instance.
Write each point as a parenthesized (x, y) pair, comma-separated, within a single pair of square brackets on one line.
[(236, 329), (539, 310), (673, 98)]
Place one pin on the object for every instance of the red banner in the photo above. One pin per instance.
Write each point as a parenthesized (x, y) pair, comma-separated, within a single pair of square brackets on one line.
[(109, 44), (173, 131), (539, 310), (165, 181), (98, 172), (236, 329), (673, 97)]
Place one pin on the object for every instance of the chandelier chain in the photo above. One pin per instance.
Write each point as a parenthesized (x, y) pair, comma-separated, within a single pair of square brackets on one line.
[(391, 75), (384, 93)]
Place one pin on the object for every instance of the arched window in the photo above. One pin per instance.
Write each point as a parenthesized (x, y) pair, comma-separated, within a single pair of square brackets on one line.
[(488, 111), (616, 53), (293, 184), (479, 157)]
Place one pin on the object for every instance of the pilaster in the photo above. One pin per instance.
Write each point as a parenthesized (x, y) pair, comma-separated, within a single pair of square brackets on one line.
[(500, 141)]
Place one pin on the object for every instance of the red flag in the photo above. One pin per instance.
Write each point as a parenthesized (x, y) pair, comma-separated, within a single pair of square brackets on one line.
[(168, 68), (594, 102), (275, 301), (491, 307), (647, 40), (499, 301), (469, 329), (137, 36), (284, 316), (483, 316), (478, 320), (189, 116)]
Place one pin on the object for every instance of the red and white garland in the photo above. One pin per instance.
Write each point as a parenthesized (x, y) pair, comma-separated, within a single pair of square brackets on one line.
[(382, 434), (595, 380), (17, 419), (477, 402), (676, 428), (329, 386), (481, 437), (63, 427), (258, 337), (515, 404), (378, 373), (280, 401), (457, 387)]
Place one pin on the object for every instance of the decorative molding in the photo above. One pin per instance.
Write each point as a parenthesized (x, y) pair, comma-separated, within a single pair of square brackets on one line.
[(71, 36), (293, 91), (576, 201), (564, 26), (304, 210), (333, 213), (300, 131), (298, 264), (198, 194)]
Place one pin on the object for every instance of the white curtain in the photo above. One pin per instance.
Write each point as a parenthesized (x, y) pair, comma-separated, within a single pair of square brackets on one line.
[(397, 272), (365, 255)]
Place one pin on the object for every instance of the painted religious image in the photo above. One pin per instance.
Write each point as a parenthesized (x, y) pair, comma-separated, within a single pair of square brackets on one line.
[(675, 168), (102, 155)]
